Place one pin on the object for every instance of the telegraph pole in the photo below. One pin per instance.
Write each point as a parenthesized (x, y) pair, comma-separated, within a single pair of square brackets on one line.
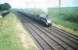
[(59, 7)]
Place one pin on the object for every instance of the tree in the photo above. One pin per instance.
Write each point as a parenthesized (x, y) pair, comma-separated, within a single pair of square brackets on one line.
[(4, 6)]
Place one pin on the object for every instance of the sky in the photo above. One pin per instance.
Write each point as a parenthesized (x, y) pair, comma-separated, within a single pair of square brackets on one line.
[(40, 3)]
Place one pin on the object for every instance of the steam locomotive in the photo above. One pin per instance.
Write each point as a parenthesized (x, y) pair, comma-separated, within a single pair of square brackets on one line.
[(41, 18)]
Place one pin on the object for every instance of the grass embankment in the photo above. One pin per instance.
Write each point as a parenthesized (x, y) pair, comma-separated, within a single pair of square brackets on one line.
[(66, 17), (9, 39)]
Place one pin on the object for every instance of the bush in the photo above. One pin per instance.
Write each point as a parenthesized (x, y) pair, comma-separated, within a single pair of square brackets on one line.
[(69, 17), (73, 19)]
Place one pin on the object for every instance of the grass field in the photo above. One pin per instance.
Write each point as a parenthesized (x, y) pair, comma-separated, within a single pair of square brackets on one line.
[(60, 17), (9, 39)]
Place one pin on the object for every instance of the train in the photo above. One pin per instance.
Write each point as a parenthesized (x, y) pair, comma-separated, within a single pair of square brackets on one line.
[(41, 18)]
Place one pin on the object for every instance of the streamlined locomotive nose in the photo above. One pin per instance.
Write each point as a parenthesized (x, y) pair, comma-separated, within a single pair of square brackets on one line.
[(48, 21)]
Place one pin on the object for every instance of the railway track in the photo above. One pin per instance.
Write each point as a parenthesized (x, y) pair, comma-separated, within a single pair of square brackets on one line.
[(49, 38)]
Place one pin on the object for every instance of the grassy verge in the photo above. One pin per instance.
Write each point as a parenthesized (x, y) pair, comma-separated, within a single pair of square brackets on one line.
[(73, 26), (8, 33), (13, 36), (67, 26)]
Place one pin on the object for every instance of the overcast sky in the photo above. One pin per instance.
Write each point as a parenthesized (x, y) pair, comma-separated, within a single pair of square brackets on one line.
[(40, 3)]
